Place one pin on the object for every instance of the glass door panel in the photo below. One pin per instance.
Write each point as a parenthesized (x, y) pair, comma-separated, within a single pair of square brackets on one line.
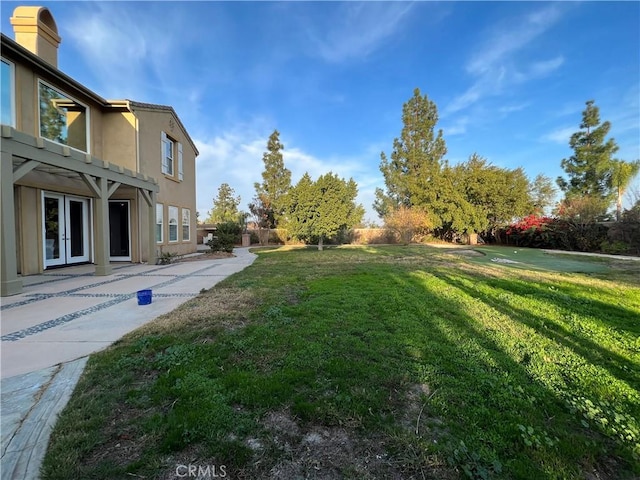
[(77, 229), (53, 219)]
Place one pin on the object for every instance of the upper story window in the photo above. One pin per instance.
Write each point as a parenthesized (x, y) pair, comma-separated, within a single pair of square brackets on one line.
[(62, 119), (171, 150), (7, 92), (167, 154)]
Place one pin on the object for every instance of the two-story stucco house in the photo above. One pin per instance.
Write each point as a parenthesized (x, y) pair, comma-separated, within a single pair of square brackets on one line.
[(84, 179)]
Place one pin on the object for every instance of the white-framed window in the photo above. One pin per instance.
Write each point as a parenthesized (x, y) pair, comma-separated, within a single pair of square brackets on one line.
[(159, 222), (173, 224), (8, 93), (167, 155), (186, 225), (62, 119), (171, 151)]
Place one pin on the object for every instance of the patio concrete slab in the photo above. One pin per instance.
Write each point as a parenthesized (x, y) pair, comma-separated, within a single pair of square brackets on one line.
[(63, 316)]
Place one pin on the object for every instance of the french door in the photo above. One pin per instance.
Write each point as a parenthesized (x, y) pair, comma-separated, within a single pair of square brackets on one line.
[(66, 228)]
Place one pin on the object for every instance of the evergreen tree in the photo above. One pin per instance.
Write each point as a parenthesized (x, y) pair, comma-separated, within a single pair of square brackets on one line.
[(589, 169), (276, 180), (498, 195), (456, 214), (412, 174), (225, 206), (324, 208)]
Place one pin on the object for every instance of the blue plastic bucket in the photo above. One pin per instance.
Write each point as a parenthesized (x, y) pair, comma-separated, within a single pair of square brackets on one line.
[(144, 297)]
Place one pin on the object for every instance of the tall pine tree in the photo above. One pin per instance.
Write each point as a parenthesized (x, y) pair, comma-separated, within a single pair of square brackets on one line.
[(590, 167), (412, 173), (225, 206), (271, 194)]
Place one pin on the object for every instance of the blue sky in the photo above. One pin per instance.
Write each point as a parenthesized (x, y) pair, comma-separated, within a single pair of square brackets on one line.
[(510, 79)]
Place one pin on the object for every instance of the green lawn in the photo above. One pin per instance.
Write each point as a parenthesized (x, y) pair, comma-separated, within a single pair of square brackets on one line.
[(372, 362)]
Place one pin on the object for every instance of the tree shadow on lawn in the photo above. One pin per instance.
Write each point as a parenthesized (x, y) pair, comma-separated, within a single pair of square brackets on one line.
[(616, 364), (499, 395)]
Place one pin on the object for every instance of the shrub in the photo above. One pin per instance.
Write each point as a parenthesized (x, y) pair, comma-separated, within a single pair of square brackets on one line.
[(614, 247), (227, 235), (556, 233)]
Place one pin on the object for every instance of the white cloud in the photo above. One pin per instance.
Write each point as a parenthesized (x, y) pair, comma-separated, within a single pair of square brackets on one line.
[(131, 53), (560, 135), (357, 29), (507, 109), (495, 63), (458, 127)]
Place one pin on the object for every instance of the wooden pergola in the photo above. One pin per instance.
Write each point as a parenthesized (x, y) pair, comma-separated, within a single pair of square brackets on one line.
[(22, 153)]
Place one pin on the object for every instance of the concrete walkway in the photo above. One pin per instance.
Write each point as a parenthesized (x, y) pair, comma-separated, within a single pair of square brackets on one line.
[(62, 317)]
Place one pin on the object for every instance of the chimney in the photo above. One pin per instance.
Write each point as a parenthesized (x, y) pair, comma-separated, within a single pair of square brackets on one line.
[(36, 30)]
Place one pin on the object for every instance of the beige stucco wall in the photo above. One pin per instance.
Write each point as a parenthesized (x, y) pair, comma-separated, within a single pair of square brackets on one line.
[(29, 231), (181, 194), (26, 103), (119, 139)]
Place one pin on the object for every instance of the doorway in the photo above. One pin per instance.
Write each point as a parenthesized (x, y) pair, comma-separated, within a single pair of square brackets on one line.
[(66, 229), (119, 231)]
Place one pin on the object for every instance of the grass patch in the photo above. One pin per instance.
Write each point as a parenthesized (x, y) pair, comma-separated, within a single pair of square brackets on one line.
[(536, 259), (371, 362)]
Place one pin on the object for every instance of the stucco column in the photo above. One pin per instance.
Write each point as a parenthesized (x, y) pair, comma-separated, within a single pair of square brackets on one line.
[(102, 229), (10, 284), (151, 260)]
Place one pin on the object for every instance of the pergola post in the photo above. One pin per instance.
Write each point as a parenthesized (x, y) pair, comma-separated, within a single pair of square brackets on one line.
[(103, 267), (10, 284), (152, 229), (150, 200)]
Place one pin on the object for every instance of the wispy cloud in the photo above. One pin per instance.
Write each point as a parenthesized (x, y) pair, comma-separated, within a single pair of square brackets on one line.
[(560, 135), (357, 29), (458, 127), (495, 64), (507, 109), (114, 45)]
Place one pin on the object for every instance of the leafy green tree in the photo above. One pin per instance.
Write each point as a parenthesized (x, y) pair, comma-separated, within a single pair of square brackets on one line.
[(621, 176), (589, 168), (543, 193), (412, 173), (456, 214), (225, 206), (324, 208), (276, 181), (477, 197)]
